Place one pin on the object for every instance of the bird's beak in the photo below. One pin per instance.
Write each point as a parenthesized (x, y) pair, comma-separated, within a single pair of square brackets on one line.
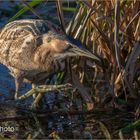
[(84, 52)]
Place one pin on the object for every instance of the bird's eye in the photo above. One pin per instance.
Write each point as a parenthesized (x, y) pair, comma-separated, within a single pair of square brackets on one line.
[(68, 47), (49, 39)]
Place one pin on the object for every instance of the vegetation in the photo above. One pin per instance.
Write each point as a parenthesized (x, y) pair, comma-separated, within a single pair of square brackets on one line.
[(111, 30)]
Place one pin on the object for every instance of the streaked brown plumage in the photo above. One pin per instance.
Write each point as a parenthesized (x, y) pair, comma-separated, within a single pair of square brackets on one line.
[(33, 51)]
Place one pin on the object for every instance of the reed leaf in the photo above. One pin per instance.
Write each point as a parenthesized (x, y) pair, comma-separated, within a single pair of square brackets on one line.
[(33, 3), (130, 126), (60, 14)]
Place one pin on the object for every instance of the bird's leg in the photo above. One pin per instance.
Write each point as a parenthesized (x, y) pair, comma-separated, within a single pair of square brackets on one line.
[(36, 97), (34, 86), (18, 82), (35, 104)]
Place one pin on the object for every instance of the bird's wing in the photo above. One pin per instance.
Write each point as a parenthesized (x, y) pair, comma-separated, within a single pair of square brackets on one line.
[(18, 40), (20, 36)]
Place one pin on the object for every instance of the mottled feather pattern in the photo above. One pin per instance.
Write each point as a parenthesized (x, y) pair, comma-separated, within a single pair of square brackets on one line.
[(20, 34)]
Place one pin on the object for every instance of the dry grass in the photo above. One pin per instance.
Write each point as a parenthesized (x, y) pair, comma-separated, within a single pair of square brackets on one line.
[(110, 29)]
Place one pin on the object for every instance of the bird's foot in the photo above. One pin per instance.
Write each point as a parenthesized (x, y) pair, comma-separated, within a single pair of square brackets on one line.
[(43, 89), (50, 88)]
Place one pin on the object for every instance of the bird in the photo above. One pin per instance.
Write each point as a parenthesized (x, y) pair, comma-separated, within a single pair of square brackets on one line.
[(33, 51)]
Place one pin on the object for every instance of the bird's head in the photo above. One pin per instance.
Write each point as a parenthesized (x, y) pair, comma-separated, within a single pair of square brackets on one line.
[(56, 48), (63, 47)]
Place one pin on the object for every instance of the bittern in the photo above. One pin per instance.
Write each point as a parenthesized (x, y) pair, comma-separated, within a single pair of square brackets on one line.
[(33, 51)]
